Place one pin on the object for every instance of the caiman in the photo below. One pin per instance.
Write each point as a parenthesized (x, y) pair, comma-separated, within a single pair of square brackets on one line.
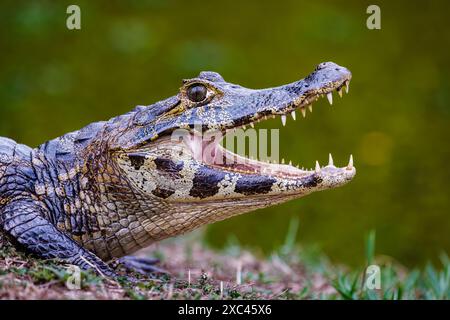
[(101, 193)]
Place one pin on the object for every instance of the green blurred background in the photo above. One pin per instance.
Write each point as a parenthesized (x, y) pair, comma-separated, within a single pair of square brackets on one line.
[(395, 120)]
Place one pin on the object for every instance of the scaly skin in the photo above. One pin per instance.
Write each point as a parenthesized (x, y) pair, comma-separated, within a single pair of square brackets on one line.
[(114, 187)]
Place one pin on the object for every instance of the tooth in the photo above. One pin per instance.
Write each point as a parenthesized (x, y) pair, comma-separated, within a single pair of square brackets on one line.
[(244, 127), (293, 115), (303, 112), (282, 161), (339, 90), (317, 166), (283, 119), (252, 124), (290, 162), (298, 166), (330, 97), (310, 108), (273, 116), (330, 160), (347, 86), (350, 162)]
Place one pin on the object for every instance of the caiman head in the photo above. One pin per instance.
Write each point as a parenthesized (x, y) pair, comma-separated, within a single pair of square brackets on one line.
[(197, 179)]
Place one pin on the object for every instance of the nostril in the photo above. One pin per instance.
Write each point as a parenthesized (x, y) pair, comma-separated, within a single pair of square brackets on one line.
[(321, 65)]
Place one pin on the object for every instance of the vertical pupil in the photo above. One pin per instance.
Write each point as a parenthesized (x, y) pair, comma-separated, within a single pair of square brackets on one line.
[(197, 93)]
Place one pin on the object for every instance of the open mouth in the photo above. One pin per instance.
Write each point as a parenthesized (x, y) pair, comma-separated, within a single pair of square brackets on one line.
[(207, 148)]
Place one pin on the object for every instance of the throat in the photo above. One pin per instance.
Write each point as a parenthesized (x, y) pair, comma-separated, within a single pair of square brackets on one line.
[(210, 152)]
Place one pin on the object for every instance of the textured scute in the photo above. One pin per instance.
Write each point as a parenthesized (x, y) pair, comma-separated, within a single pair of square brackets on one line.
[(7, 146), (211, 76), (206, 182), (6, 154), (254, 185), (10, 148), (169, 167), (11, 153)]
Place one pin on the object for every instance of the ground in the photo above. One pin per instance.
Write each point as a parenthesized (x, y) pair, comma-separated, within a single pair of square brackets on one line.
[(198, 272), (25, 277)]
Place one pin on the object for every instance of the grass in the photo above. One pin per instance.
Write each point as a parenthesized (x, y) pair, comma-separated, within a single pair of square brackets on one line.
[(197, 272), (396, 282)]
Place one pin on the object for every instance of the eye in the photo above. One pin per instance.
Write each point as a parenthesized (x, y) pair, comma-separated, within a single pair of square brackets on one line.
[(197, 92)]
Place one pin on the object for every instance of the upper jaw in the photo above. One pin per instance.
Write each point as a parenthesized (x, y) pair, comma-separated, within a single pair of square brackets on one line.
[(236, 107), (300, 95)]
